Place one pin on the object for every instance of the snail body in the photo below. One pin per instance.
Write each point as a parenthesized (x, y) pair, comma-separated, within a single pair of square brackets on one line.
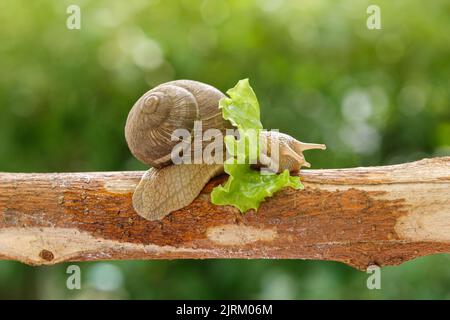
[(167, 187), (164, 190)]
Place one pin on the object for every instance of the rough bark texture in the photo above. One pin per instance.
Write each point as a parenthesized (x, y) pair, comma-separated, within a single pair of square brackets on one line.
[(359, 216)]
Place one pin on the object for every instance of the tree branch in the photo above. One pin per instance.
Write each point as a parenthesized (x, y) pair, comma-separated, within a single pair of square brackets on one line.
[(360, 216)]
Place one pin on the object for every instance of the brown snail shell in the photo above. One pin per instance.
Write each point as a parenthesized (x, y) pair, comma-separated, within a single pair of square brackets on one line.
[(165, 108)]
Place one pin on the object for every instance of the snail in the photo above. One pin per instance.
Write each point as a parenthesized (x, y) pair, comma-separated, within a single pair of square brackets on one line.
[(167, 187)]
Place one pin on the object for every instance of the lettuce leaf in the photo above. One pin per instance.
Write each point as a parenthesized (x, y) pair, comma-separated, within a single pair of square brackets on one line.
[(246, 188), (242, 108)]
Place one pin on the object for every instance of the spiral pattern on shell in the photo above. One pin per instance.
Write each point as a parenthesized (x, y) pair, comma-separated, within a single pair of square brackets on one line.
[(165, 108)]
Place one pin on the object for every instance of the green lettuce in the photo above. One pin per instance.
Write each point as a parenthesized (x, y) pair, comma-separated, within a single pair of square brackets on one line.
[(242, 108), (246, 188)]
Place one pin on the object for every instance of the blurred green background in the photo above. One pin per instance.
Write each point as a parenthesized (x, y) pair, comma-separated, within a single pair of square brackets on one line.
[(374, 97)]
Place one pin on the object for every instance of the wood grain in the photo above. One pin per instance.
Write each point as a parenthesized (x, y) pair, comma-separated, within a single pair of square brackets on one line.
[(358, 216)]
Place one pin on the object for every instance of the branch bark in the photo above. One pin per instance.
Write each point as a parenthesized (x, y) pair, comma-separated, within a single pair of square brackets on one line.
[(359, 216)]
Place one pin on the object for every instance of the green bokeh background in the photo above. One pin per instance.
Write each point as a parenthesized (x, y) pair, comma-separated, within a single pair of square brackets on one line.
[(375, 97)]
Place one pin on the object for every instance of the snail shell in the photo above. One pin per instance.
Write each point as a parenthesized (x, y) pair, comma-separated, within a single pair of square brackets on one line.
[(165, 108)]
